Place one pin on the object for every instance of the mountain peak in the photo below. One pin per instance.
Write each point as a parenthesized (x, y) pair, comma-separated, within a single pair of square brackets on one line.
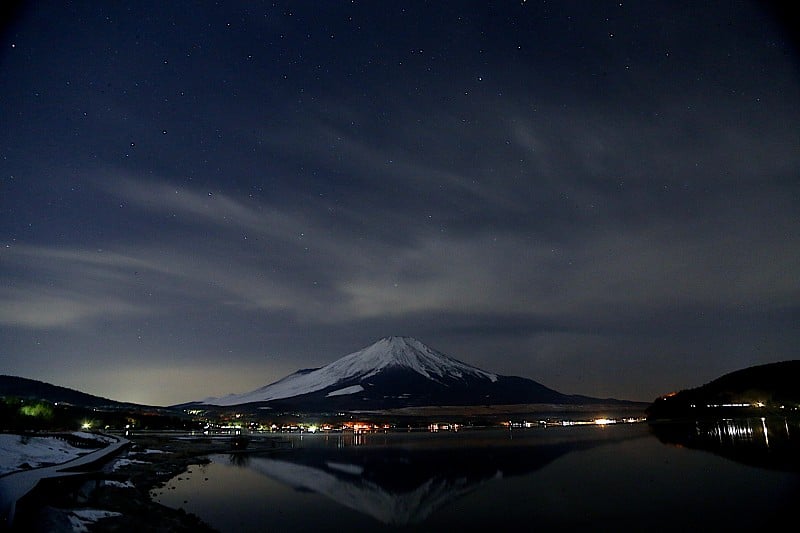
[(399, 338), (388, 353), (398, 341), (396, 344), (409, 353)]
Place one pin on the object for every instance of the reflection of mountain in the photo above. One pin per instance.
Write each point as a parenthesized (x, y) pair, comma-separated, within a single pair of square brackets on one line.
[(772, 443), (403, 486), (355, 492)]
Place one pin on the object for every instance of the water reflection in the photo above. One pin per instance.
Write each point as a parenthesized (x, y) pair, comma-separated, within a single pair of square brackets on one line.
[(560, 479), (765, 442), (239, 459), (403, 484)]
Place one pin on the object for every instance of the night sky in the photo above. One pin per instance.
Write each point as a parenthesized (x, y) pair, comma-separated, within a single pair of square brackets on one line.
[(198, 199)]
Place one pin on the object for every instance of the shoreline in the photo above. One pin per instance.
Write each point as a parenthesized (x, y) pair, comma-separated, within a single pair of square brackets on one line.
[(118, 497)]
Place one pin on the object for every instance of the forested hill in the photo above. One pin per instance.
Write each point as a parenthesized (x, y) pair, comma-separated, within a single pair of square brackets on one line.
[(770, 386), (24, 388)]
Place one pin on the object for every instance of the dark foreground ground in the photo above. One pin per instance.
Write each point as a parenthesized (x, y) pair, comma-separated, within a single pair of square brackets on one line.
[(51, 506)]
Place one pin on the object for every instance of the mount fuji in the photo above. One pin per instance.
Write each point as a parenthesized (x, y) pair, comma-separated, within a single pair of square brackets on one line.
[(397, 372)]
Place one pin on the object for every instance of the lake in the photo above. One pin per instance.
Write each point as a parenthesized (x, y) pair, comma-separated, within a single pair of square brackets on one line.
[(614, 477)]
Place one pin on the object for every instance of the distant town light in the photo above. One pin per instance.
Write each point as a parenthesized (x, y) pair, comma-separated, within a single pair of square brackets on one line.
[(86, 425)]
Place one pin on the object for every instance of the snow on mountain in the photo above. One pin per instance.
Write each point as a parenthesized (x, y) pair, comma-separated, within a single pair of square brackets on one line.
[(386, 354), (347, 390)]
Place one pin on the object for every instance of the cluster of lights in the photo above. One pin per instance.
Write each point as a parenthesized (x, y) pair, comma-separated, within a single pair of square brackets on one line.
[(733, 404), (595, 421), (443, 427), (524, 424), (360, 427), (604, 421), (357, 427), (236, 424)]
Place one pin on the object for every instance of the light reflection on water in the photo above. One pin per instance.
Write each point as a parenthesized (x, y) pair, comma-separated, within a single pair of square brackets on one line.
[(606, 478), (766, 442)]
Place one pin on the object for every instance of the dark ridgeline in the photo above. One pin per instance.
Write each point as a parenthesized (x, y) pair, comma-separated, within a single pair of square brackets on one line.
[(24, 388), (772, 389), (751, 416), (28, 404)]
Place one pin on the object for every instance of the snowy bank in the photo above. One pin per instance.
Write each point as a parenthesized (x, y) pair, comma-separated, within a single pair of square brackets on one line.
[(82, 518), (17, 451)]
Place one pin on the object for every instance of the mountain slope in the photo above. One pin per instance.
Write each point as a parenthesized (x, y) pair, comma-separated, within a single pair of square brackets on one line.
[(397, 372), (390, 353), (772, 385), (38, 390)]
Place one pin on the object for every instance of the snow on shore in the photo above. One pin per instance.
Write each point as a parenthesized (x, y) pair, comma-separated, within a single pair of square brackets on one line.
[(121, 463), (80, 519), (19, 450)]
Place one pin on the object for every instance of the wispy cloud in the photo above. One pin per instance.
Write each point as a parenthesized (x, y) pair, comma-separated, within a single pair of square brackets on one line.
[(235, 253), (206, 207), (39, 307)]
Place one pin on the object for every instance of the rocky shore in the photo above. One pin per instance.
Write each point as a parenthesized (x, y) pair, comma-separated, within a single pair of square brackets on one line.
[(118, 498)]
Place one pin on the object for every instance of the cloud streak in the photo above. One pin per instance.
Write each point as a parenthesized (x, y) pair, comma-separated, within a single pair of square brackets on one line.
[(323, 274)]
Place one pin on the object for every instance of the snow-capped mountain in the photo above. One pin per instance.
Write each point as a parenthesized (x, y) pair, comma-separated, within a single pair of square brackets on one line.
[(389, 353), (396, 372)]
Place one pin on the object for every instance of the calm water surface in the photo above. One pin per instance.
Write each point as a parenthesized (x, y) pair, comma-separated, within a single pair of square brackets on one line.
[(611, 478)]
